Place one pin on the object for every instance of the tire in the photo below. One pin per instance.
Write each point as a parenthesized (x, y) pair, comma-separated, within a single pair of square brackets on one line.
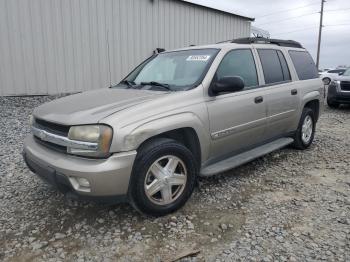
[(332, 104), (155, 155), (303, 142), (326, 80)]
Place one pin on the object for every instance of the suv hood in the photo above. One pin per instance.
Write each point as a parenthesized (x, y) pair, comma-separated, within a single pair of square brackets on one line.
[(342, 78), (92, 106)]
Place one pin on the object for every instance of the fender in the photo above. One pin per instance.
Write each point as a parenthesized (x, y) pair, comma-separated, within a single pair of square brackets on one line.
[(154, 127), (314, 95), (311, 96)]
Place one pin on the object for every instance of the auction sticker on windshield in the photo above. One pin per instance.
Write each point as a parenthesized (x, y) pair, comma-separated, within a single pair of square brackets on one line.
[(198, 58)]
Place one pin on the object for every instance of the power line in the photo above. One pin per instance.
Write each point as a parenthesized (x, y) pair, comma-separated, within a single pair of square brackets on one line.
[(337, 10), (308, 28), (290, 18), (304, 29), (337, 25), (291, 9)]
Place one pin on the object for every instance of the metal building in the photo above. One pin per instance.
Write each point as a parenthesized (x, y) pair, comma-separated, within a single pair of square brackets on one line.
[(63, 46)]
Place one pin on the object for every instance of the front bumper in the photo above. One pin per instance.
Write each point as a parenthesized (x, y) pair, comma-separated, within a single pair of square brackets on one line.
[(108, 178), (335, 94)]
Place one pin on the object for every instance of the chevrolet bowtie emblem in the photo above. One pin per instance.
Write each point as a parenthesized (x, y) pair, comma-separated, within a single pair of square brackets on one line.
[(42, 135)]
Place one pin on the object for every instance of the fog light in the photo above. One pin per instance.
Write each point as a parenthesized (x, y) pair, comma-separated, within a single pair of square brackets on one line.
[(83, 182), (80, 184)]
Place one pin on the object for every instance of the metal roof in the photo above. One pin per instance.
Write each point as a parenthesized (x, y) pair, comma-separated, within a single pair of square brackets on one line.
[(212, 5)]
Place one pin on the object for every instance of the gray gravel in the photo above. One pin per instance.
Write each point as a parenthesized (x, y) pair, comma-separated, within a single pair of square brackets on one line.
[(287, 206)]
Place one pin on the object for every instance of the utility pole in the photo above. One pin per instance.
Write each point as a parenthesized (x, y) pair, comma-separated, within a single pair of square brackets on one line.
[(320, 34)]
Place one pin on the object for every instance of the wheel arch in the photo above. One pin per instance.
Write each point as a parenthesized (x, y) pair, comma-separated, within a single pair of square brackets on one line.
[(313, 100), (185, 128), (186, 136), (314, 105)]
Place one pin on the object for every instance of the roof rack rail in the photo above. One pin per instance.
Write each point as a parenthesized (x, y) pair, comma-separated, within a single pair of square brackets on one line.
[(262, 40)]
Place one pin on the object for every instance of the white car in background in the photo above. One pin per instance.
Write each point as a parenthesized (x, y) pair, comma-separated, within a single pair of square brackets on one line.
[(328, 76)]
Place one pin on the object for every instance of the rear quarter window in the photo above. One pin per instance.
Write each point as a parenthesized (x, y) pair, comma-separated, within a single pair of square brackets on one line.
[(304, 65)]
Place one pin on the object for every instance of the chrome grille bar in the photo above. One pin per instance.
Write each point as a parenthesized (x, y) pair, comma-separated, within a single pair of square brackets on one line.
[(63, 141)]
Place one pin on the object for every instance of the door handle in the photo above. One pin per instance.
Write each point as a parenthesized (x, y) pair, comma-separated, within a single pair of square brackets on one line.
[(294, 92), (258, 99)]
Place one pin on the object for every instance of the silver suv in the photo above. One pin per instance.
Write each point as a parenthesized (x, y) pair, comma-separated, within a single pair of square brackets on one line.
[(180, 114)]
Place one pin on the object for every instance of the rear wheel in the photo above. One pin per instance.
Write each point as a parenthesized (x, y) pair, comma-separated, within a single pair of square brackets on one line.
[(163, 178), (306, 131)]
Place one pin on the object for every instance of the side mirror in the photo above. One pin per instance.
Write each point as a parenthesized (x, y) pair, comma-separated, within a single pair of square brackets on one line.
[(227, 84), (341, 73)]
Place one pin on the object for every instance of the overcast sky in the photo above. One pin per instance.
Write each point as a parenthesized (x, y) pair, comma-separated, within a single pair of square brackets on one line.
[(335, 49)]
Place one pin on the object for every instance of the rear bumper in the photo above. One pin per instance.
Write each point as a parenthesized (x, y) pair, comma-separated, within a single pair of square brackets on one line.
[(108, 178)]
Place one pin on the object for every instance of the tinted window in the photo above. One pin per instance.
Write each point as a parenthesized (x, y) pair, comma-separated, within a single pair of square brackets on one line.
[(337, 71), (304, 65), (239, 63), (274, 66), (285, 69)]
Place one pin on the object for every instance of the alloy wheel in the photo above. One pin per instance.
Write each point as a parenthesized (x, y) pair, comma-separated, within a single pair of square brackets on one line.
[(165, 180), (307, 129)]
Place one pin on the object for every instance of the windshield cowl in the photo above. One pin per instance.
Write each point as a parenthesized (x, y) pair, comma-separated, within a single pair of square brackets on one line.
[(152, 86)]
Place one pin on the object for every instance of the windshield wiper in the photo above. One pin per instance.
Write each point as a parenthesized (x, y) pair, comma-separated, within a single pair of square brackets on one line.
[(154, 83)]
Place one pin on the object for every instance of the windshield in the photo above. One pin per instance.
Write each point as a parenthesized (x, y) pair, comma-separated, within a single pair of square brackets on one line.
[(347, 72), (178, 70)]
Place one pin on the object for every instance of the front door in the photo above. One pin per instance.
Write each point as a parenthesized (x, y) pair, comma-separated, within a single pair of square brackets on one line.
[(237, 120)]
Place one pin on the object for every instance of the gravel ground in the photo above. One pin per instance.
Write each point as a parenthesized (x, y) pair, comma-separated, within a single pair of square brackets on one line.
[(287, 206)]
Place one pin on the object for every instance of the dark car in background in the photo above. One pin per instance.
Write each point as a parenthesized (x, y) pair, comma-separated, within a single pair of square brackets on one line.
[(339, 90)]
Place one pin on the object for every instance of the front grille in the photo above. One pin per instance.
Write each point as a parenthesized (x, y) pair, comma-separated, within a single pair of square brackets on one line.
[(53, 128), (55, 136), (345, 85), (52, 146)]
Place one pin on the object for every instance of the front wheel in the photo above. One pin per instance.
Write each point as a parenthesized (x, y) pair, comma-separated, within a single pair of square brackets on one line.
[(306, 131), (332, 104), (163, 177)]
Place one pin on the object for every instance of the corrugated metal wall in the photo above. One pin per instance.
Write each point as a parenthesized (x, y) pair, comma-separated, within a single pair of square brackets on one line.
[(58, 46)]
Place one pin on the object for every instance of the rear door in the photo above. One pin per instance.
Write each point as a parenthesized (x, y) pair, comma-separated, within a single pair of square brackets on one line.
[(237, 120), (281, 94)]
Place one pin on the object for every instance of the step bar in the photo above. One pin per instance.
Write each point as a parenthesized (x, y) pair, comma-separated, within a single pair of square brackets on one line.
[(245, 157)]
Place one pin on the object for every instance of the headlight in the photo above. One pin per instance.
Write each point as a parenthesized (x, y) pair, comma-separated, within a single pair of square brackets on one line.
[(334, 84), (99, 134)]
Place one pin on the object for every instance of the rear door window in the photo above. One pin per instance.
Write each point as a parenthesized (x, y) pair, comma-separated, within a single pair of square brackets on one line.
[(304, 65), (285, 69), (274, 65)]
